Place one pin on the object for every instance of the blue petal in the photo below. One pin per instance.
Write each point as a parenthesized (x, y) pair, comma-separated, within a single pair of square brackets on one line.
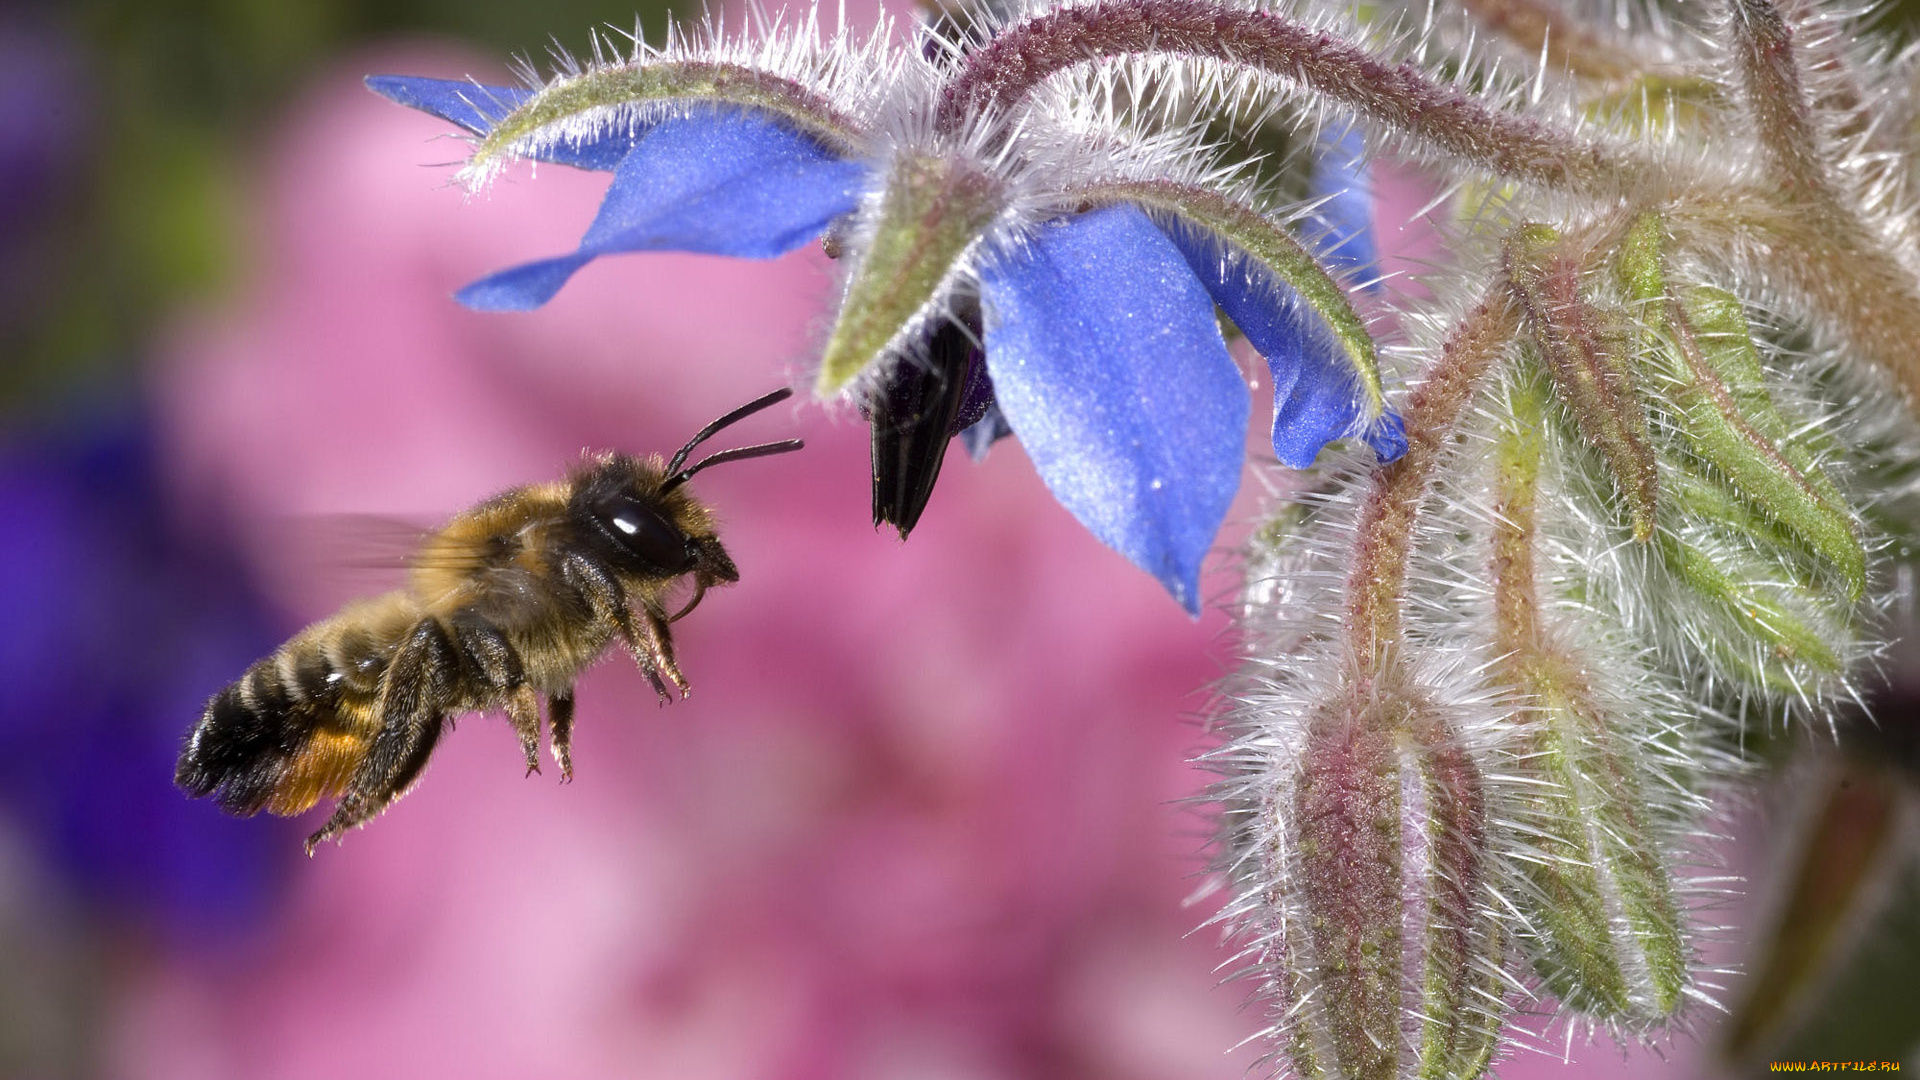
[(1316, 396), (1388, 437), (1339, 171), (1108, 363), (469, 104), (716, 183), (524, 287), (1319, 410), (477, 108)]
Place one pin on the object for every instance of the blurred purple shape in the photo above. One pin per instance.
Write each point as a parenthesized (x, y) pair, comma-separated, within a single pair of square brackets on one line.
[(44, 120), (114, 633)]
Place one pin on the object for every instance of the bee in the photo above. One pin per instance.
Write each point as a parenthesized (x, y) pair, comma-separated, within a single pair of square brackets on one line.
[(508, 602)]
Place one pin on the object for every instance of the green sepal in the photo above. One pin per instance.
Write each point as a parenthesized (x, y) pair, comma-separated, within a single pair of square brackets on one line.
[(1716, 387), (1718, 562), (1639, 262), (1595, 854), (1464, 946), (932, 211), (1730, 421), (661, 83)]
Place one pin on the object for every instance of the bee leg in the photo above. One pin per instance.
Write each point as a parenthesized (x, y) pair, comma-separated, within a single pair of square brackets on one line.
[(560, 725), (523, 709), (658, 644), (411, 709), (652, 673), (497, 663), (603, 594)]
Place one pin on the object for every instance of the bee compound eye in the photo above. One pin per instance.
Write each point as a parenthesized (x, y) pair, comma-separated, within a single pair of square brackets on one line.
[(646, 535)]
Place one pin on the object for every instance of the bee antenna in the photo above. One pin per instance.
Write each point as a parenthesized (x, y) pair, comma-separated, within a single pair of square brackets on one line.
[(734, 417), (740, 453)]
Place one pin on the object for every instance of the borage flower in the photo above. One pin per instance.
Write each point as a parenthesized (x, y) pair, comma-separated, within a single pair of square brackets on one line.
[(1089, 258)]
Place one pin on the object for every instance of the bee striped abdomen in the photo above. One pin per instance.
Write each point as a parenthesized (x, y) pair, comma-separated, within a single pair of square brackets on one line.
[(292, 730), (235, 749)]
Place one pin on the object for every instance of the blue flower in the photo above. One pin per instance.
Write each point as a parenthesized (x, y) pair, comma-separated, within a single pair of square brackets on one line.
[(1098, 318)]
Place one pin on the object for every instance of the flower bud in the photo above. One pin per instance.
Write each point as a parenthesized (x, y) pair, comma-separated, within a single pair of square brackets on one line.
[(1735, 426), (1590, 376), (1762, 545), (1604, 933), (1607, 936), (1385, 955)]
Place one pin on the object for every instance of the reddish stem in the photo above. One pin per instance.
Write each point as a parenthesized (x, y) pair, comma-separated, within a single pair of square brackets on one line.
[(1007, 68), (1384, 533), (1783, 121)]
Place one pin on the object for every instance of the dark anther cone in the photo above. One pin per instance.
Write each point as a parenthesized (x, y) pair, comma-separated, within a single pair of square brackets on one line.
[(917, 407)]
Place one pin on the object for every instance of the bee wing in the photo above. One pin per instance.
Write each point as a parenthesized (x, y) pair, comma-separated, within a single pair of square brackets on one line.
[(348, 553), (371, 547), (368, 541)]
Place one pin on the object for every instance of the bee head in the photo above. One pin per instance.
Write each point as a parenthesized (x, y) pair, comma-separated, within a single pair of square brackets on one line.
[(632, 523), (639, 517)]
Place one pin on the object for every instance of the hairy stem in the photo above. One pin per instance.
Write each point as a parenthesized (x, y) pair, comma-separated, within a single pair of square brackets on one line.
[(1516, 608), (1763, 48), (1392, 507), (1006, 69), (1833, 259)]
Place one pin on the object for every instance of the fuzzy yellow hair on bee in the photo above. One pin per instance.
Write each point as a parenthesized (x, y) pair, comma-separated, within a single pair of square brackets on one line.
[(507, 603)]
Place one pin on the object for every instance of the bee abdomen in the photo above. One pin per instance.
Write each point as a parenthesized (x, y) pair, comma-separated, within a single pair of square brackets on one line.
[(239, 747), (277, 739)]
